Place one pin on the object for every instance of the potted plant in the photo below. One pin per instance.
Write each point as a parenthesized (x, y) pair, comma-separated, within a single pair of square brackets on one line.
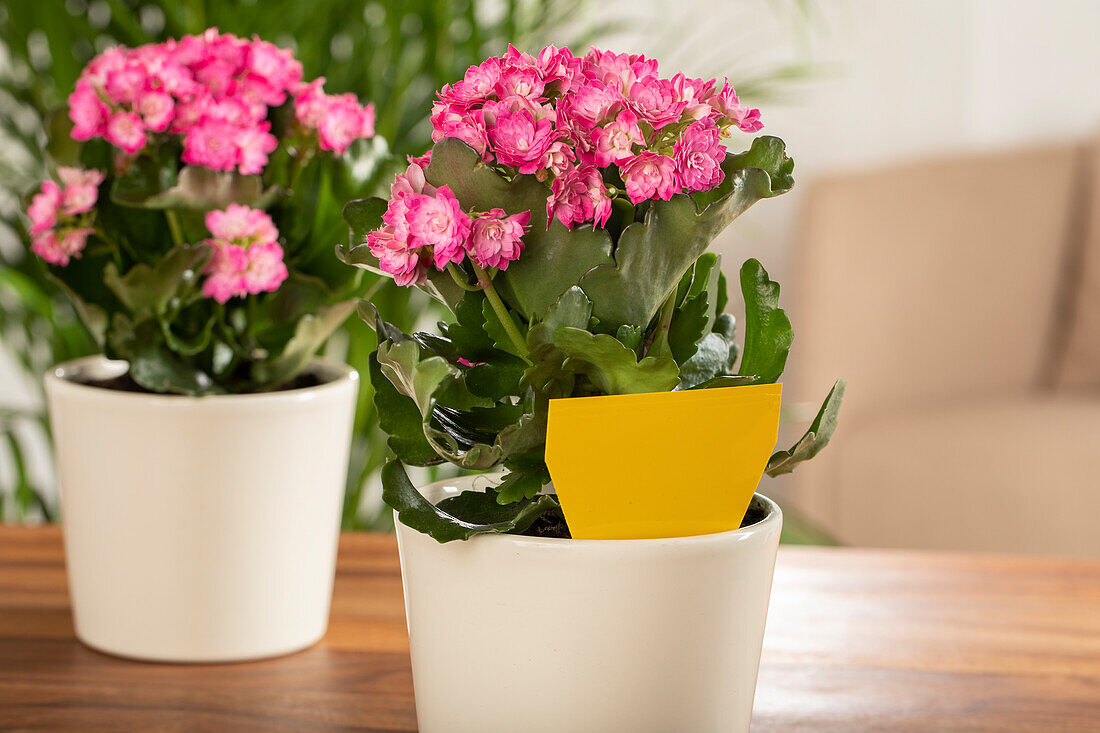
[(616, 575), (202, 457)]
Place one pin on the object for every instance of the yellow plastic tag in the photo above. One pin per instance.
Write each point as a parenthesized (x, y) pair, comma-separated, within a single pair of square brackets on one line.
[(660, 464)]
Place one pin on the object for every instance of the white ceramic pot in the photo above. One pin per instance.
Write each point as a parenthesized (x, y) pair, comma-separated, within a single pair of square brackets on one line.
[(513, 633), (200, 529)]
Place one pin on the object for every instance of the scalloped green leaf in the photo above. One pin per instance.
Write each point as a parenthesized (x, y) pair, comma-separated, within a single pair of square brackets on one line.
[(399, 417), (612, 367), (816, 437), (310, 333), (768, 332), (441, 524), (147, 289)]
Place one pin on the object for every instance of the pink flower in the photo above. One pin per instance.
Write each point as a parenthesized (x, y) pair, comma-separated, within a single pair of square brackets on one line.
[(247, 256), (225, 273), (649, 176), (310, 104), (589, 105), (730, 111), (344, 122), (521, 82), (59, 249), (123, 84), (496, 240), (254, 144), (211, 143), (81, 189), (467, 126), (156, 108), (241, 225), (579, 196), (217, 75), (748, 119), (407, 265), (614, 142), (265, 270), (657, 101), (520, 140), (277, 66), (695, 92), (125, 130), (44, 208), (420, 161), (558, 67), (439, 222), (557, 159), (699, 154), (88, 113)]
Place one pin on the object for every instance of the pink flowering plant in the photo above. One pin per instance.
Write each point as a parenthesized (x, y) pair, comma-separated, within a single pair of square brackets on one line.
[(563, 216), (194, 208)]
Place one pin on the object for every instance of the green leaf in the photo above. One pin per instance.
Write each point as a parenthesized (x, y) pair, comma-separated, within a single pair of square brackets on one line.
[(768, 332), (630, 337), (363, 216), (688, 327), (441, 524), (815, 438), (496, 378), (152, 364), (652, 256), (519, 485), (553, 259), (147, 289), (571, 309), (468, 333), (451, 432), (612, 367), (725, 380), (496, 331), (709, 361), (196, 188), (310, 333), (399, 417), (483, 507)]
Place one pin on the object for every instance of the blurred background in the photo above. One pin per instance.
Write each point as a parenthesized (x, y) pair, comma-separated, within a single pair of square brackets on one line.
[(941, 248)]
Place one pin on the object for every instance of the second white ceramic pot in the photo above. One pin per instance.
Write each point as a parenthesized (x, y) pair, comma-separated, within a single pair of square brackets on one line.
[(200, 529), (512, 633)]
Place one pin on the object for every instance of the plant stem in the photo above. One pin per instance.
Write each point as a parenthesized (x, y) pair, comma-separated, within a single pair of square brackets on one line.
[(174, 226), (459, 279), (660, 334), (501, 310)]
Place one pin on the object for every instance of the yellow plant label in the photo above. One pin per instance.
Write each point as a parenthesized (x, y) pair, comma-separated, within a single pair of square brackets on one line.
[(660, 464)]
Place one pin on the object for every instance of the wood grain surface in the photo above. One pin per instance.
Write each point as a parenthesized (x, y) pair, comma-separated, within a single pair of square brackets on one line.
[(857, 640)]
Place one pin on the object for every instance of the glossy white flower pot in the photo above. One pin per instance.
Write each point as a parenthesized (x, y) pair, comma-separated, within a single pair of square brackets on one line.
[(513, 633), (200, 529)]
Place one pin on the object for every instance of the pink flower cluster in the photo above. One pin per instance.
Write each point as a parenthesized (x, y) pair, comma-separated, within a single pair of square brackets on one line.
[(214, 90), (247, 257), (567, 119), (59, 215), (426, 225)]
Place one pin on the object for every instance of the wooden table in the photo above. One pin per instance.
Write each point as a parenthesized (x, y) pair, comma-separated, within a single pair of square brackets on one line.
[(857, 641)]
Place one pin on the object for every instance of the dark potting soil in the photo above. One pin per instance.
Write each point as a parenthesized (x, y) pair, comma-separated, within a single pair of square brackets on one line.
[(124, 383), (553, 525)]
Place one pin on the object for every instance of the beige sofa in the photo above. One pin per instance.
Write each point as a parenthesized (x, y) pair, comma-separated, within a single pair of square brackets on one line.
[(961, 299)]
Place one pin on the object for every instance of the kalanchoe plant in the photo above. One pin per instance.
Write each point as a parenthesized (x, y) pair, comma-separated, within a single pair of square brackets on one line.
[(564, 216), (184, 221)]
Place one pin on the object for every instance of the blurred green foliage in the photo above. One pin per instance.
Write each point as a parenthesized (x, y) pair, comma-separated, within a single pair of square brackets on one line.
[(395, 53)]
